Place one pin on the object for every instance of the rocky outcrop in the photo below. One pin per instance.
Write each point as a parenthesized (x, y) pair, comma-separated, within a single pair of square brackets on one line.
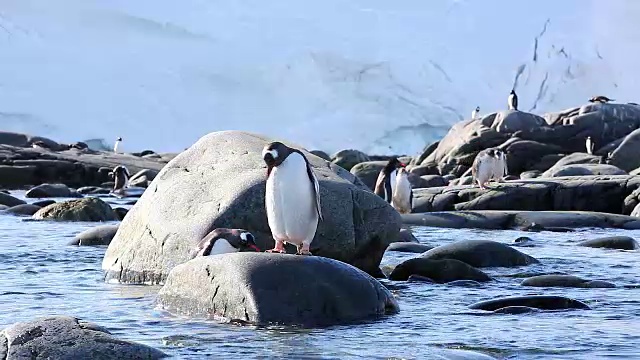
[(263, 288), (587, 193), (347, 159), (99, 235), (480, 253), (87, 209), (439, 271), (488, 219), (67, 338), (219, 182), (612, 242)]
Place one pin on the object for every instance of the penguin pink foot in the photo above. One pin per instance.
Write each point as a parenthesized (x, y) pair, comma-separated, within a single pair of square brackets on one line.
[(304, 250), (279, 248)]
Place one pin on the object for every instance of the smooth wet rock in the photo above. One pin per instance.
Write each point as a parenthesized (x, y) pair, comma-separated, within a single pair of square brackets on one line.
[(222, 185), (480, 253), (523, 241), (120, 212), (543, 302), (8, 200), (368, 172), (583, 170), (409, 247), (625, 155), (407, 236), (86, 209), (99, 235), (514, 310), (49, 191), (262, 288), (23, 209), (68, 338), (143, 177), (321, 154), (349, 158), (43, 203), (612, 242), (440, 271), (565, 281)]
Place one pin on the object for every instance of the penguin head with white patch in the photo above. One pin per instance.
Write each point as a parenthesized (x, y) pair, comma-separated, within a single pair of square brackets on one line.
[(492, 152), (477, 108), (393, 164), (119, 138), (222, 241), (274, 154), (121, 171)]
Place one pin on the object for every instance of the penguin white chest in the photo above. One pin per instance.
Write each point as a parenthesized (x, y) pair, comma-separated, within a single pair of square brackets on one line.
[(402, 194), (290, 202), (222, 246)]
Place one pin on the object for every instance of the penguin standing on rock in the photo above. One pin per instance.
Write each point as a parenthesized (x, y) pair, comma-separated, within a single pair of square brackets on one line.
[(121, 178), (489, 164), (475, 113), (115, 146), (292, 197), (402, 199), (590, 145), (224, 241), (386, 182), (512, 101)]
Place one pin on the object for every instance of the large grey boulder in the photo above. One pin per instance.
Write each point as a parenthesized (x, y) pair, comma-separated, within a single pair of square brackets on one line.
[(87, 209), (263, 288), (68, 338), (219, 182), (439, 271), (480, 253), (510, 121), (368, 172), (625, 156), (99, 235), (349, 158), (6, 199)]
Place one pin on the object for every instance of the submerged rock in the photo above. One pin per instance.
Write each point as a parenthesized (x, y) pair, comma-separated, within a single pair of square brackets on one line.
[(87, 209), (67, 338), (99, 235), (565, 281), (409, 247), (612, 242), (262, 288), (24, 209), (407, 236), (544, 302), (219, 182), (8, 200), (50, 191), (480, 253), (440, 271)]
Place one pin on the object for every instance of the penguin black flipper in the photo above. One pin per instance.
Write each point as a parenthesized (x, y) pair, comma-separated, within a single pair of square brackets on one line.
[(388, 192), (316, 185), (411, 199), (515, 102)]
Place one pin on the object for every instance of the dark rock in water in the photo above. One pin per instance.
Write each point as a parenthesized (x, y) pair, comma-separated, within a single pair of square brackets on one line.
[(143, 178), (544, 302), (349, 158), (99, 235), (409, 247), (523, 241), (420, 278), (480, 253), (357, 228), (12, 176), (262, 288), (368, 172), (87, 209), (612, 242), (108, 185), (3, 207), (321, 154), (49, 191), (66, 338), (24, 209), (87, 189), (120, 212), (513, 310), (464, 283), (43, 203), (407, 236), (6, 199), (440, 271), (564, 281)]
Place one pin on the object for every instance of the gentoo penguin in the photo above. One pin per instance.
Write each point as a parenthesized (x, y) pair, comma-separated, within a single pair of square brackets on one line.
[(475, 113), (513, 100), (485, 166), (292, 197), (224, 241), (590, 145), (386, 182), (601, 99), (121, 177), (402, 199), (115, 147), (500, 165)]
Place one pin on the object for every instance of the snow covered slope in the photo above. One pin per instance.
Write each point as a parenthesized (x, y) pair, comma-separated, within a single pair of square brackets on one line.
[(382, 76)]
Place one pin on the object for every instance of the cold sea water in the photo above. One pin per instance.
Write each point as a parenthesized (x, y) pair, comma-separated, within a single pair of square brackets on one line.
[(41, 275)]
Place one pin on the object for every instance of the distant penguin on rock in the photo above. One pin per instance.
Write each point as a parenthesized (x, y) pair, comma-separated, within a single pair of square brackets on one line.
[(121, 178), (225, 241), (501, 170), (513, 100), (386, 182), (475, 113), (489, 164), (600, 99), (292, 197), (590, 145), (402, 199), (117, 144)]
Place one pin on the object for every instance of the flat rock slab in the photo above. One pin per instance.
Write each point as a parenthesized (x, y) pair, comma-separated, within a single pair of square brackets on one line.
[(263, 288), (543, 302), (502, 220), (68, 338)]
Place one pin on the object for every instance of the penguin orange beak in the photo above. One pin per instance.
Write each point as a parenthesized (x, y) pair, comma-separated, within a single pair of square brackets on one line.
[(403, 165)]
